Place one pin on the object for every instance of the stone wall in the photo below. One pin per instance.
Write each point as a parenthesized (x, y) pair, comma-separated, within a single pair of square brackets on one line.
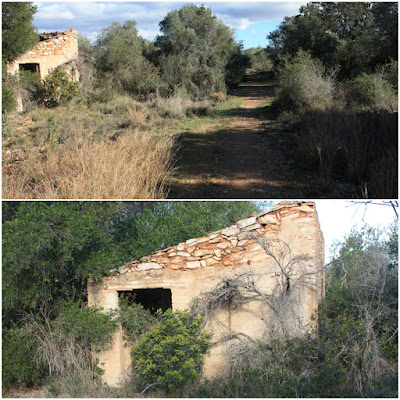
[(196, 266)]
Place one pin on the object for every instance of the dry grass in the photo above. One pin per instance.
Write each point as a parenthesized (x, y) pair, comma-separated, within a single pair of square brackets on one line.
[(178, 106), (119, 149), (134, 166), (360, 146)]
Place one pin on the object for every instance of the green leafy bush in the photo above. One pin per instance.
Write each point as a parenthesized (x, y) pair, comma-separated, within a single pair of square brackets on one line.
[(134, 318), (172, 352), (18, 364), (304, 86), (390, 73), (58, 88), (371, 91), (89, 326), (8, 102)]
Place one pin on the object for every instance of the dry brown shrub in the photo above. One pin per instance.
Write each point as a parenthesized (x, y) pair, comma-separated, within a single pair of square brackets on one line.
[(134, 166), (137, 117)]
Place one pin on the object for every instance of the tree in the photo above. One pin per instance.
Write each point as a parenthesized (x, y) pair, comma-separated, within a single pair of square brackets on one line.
[(49, 249), (195, 50), (18, 33), (349, 37), (120, 54)]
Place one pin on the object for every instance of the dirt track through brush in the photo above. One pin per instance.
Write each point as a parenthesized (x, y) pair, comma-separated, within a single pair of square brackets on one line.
[(247, 160)]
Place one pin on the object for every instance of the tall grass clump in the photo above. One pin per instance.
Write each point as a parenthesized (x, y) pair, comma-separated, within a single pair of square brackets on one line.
[(133, 166), (65, 346), (304, 85), (180, 106), (361, 146)]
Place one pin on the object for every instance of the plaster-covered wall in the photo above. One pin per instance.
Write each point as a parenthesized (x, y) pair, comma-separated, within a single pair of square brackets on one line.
[(199, 265)]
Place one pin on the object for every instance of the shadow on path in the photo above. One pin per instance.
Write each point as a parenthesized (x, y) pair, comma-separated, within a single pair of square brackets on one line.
[(247, 160)]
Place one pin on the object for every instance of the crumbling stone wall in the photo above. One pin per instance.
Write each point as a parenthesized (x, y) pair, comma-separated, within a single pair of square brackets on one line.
[(196, 266), (54, 50)]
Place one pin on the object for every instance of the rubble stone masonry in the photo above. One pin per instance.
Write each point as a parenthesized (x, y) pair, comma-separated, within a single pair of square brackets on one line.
[(198, 265)]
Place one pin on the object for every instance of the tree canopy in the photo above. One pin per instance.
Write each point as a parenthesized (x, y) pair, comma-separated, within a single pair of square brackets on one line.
[(196, 49), (351, 37), (18, 33)]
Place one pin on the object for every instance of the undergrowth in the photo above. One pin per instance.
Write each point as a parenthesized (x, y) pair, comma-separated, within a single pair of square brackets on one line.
[(91, 151)]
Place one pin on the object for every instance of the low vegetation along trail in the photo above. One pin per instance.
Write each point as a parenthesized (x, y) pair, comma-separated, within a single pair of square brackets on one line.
[(245, 158)]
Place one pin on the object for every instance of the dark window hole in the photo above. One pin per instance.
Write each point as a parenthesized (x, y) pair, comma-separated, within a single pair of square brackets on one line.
[(150, 299), (29, 67)]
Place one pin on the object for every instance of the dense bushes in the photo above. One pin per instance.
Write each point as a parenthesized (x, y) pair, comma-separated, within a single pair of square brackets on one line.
[(56, 348), (18, 353), (172, 352), (349, 38), (372, 92), (346, 129), (304, 85)]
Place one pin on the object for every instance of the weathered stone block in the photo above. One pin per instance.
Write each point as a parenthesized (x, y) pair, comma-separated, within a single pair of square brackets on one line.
[(246, 222), (147, 266), (232, 230), (193, 264)]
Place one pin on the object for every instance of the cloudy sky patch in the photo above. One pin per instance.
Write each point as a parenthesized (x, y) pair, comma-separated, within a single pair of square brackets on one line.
[(90, 17)]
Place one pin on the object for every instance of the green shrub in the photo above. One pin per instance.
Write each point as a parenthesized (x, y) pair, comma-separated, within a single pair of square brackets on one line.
[(371, 91), (18, 364), (8, 102), (134, 318), (390, 73), (64, 345), (304, 86), (58, 88), (172, 352), (89, 326)]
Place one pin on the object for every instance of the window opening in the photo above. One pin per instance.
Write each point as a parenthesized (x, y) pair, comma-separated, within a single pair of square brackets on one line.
[(33, 67), (150, 299)]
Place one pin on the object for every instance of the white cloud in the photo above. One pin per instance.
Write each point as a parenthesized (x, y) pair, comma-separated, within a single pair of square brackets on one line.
[(90, 17)]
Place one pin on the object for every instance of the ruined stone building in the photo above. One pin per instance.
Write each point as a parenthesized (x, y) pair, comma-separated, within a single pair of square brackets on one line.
[(54, 50), (271, 264)]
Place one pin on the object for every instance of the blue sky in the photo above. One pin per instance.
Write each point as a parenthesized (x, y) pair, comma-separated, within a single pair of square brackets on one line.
[(251, 21)]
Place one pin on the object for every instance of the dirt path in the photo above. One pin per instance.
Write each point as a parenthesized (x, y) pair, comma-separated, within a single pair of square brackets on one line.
[(248, 159)]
